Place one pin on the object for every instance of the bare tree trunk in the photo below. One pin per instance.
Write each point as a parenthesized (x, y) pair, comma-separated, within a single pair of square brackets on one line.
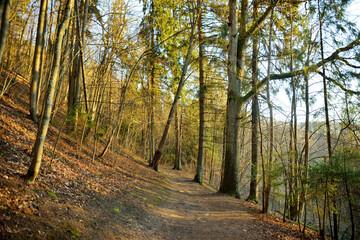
[(39, 45), (236, 64), (212, 168), (5, 13), (152, 88), (268, 177), (254, 115), (304, 171), (327, 122), (293, 180), (200, 160), (176, 125), (44, 125), (178, 122)]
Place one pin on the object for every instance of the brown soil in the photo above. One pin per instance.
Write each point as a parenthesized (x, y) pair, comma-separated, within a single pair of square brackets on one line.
[(192, 211), (116, 197)]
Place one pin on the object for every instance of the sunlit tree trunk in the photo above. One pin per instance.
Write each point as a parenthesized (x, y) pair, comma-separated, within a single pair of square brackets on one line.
[(178, 122), (268, 177), (293, 166), (254, 114), (39, 45), (44, 125)]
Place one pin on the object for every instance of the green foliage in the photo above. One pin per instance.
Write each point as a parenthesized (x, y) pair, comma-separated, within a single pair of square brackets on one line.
[(117, 210), (343, 170), (52, 195)]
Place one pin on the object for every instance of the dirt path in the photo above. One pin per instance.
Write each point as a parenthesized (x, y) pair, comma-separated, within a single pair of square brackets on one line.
[(192, 211)]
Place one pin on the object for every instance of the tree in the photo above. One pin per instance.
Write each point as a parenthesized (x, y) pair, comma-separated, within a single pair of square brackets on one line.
[(202, 89), (267, 178), (4, 27), (39, 45), (34, 168), (236, 63), (254, 113)]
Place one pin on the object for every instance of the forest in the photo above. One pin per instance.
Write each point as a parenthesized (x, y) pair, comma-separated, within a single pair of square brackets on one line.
[(258, 100)]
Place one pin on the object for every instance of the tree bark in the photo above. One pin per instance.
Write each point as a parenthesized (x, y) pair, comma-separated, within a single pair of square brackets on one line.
[(236, 63), (293, 166), (44, 125), (327, 122), (200, 160), (5, 13), (39, 45), (254, 114), (230, 181), (268, 178), (178, 133)]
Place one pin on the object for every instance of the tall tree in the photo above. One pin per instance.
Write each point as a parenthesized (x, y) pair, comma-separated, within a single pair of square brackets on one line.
[(230, 181), (178, 128), (39, 46), (327, 123), (267, 174), (236, 63), (34, 168), (202, 89), (254, 112), (4, 27)]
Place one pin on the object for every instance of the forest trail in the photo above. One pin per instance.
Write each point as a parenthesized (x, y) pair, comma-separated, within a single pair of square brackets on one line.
[(116, 197), (192, 211)]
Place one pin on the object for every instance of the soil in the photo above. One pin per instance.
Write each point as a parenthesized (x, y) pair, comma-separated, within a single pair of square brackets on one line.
[(114, 197), (192, 211)]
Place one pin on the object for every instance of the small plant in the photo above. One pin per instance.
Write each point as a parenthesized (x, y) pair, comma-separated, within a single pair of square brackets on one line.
[(52, 195), (117, 210), (75, 233)]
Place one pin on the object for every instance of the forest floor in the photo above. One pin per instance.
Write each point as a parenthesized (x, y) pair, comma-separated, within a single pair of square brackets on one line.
[(115, 197)]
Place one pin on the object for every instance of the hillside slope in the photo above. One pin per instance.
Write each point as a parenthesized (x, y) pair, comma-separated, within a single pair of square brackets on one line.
[(117, 197)]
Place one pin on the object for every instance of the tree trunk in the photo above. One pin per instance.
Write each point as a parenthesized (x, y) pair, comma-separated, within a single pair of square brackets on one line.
[(39, 45), (212, 168), (230, 179), (42, 131), (254, 115), (178, 132), (268, 177), (5, 13), (200, 160), (304, 169), (293, 180), (327, 121), (176, 125), (152, 88)]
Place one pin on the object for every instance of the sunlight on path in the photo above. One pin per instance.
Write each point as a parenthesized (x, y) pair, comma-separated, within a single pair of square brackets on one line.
[(191, 211)]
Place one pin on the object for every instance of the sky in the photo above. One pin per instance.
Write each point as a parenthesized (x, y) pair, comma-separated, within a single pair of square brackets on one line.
[(316, 85)]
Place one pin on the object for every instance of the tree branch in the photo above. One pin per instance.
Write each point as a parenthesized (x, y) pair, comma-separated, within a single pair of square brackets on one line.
[(313, 68)]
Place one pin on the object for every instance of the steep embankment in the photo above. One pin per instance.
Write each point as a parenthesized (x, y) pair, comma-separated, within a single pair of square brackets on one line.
[(76, 198), (117, 197)]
